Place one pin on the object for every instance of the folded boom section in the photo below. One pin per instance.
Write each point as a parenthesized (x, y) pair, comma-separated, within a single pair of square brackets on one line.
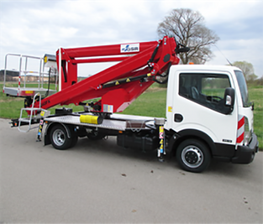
[(140, 65)]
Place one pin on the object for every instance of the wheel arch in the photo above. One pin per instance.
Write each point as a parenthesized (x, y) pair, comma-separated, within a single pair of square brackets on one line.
[(47, 139), (178, 137)]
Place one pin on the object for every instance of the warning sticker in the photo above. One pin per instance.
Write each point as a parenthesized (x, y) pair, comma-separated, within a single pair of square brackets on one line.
[(161, 132), (108, 108)]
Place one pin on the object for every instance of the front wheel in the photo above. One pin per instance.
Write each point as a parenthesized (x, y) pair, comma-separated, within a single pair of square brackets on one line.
[(193, 155)]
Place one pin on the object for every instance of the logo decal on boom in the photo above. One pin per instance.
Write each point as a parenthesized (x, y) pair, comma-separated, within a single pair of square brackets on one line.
[(130, 48)]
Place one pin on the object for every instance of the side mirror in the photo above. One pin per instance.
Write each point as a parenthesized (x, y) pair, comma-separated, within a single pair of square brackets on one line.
[(252, 105), (229, 100)]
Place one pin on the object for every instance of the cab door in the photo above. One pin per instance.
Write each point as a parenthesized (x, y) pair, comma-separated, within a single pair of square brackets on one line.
[(198, 104)]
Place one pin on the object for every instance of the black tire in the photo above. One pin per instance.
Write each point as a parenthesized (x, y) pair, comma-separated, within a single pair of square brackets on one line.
[(59, 137), (193, 155)]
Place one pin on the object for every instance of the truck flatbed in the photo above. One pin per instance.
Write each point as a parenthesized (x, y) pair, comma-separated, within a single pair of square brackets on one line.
[(119, 122)]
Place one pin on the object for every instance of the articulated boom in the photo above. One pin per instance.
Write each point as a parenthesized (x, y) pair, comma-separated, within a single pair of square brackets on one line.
[(140, 65)]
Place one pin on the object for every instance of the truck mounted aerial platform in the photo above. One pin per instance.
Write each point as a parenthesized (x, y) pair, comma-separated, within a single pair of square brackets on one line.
[(208, 115)]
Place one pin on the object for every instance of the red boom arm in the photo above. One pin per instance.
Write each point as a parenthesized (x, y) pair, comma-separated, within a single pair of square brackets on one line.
[(140, 65)]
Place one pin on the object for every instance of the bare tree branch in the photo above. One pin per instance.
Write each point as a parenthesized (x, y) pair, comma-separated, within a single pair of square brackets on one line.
[(188, 28)]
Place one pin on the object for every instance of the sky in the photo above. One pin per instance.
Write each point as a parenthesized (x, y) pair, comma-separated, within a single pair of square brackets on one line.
[(38, 27)]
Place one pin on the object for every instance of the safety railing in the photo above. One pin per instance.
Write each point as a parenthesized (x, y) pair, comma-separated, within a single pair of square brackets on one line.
[(29, 74)]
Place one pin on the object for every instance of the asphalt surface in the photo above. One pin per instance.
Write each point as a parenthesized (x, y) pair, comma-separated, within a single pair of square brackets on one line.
[(99, 182)]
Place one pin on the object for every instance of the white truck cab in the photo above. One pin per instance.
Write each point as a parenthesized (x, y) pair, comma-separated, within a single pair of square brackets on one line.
[(208, 107)]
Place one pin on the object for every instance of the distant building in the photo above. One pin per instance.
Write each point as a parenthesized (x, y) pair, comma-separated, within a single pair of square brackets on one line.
[(10, 74)]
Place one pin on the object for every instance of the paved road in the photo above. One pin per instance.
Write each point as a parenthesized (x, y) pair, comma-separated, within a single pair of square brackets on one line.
[(99, 182)]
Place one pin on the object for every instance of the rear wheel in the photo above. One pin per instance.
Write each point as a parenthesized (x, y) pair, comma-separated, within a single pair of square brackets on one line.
[(59, 137), (193, 155)]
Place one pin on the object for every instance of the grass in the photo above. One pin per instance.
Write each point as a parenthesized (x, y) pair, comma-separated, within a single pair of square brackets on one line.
[(150, 103), (256, 95), (10, 106)]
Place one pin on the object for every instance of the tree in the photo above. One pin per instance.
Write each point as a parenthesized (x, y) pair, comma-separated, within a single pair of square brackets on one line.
[(247, 69), (188, 28)]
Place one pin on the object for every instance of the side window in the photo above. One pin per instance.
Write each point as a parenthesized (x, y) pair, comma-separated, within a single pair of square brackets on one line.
[(205, 89)]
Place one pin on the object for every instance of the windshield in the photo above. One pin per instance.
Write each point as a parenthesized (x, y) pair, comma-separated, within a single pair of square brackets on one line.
[(243, 88)]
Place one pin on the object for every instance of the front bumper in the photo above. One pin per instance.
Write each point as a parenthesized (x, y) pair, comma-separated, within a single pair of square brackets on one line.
[(246, 154)]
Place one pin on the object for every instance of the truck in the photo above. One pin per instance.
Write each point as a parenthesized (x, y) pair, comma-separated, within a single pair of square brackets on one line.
[(208, 112)]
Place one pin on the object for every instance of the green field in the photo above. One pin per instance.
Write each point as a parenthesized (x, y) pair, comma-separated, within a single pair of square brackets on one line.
[(150, 103), (256, 95)]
